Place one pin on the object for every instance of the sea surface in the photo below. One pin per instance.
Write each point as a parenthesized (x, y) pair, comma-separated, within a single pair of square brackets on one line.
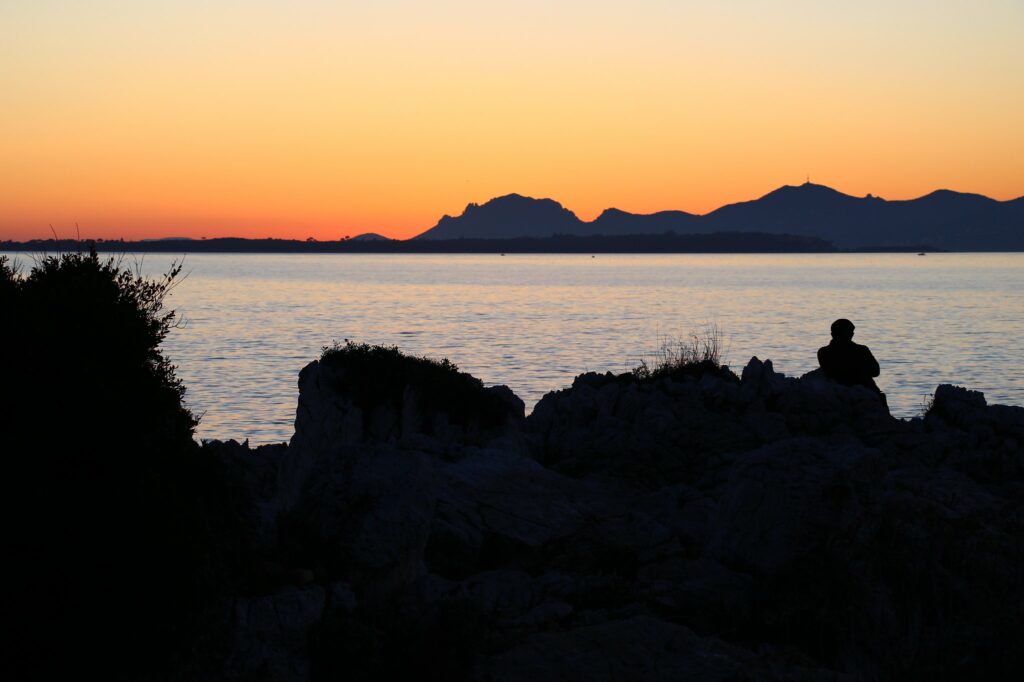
[(533, 322)]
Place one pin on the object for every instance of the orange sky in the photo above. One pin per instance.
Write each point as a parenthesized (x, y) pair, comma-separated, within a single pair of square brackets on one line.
[(327, 119)]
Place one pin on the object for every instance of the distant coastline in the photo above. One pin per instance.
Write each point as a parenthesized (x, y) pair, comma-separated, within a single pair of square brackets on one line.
[(947, 220), (722, 242), (791, 219)]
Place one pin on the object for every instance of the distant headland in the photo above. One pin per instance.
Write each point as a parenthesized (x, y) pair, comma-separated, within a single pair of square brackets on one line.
[(791, 219), (943, 220), (722, 242)]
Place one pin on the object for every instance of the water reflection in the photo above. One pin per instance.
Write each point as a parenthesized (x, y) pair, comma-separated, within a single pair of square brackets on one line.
[(535, 321)]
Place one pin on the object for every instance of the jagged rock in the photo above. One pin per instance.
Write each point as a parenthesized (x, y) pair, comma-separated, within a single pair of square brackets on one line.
[(500, 509), (270, 635), (984, 441), (700, 591), (654, 432), (697, 525), (969, 411), (950, 400), (365, 515), (333, 416), (782, 499), (759, 378), (250, 489), (637, 648)]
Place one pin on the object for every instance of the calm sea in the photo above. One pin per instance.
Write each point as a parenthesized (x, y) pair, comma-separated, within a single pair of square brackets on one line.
[(533, 322)]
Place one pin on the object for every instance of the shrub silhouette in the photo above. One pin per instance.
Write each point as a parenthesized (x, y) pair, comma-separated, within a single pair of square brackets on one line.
[(105, 517), (379, 375), (695, 356)]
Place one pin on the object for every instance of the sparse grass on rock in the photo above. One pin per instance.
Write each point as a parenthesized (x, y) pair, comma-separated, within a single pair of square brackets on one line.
[(696, 355)]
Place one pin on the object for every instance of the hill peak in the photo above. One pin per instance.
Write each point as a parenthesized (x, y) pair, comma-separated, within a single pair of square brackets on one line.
[(952, 195), (514, 200), (369, 237), (807, 189), (804, 210), (510, 215)]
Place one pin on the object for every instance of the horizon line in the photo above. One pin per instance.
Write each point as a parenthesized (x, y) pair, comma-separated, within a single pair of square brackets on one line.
[(383, 231)]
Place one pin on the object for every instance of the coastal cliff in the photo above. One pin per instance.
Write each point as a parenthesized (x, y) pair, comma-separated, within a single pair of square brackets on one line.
[(703, 525)]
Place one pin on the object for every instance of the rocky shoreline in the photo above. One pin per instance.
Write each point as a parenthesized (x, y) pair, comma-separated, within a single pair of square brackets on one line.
[(699, 526)]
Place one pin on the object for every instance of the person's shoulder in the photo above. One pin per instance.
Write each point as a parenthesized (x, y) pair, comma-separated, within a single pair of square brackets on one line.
[(863, 350)]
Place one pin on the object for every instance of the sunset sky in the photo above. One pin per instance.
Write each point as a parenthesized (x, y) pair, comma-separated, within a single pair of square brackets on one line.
[(315, 118)]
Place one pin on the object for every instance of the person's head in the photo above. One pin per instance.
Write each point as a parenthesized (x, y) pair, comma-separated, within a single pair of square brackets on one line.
[(842, 329)]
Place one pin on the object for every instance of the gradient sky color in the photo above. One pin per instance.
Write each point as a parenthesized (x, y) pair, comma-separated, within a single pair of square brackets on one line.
[(315, 118)]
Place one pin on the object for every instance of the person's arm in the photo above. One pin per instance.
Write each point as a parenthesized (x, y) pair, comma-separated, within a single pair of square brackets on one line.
[(870, 364)]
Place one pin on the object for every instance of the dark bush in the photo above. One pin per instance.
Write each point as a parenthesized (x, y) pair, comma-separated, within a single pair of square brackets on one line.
[(102, 508), (379, 375)]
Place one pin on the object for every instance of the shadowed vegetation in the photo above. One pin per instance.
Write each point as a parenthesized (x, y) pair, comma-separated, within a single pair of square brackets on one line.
[(700, 353), (105, 518), (380, 375)]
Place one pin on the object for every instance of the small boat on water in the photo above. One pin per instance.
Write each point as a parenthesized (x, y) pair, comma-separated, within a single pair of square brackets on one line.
[(922, 254)]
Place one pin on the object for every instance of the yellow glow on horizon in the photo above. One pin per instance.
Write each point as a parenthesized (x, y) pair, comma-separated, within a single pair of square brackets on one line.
[(325, 119)]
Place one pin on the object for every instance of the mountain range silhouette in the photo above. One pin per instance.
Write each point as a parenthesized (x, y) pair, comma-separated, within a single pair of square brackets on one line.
[(943, 219)]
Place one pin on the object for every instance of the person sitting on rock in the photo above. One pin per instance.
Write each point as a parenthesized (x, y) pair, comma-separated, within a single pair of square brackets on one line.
[(846, 362)]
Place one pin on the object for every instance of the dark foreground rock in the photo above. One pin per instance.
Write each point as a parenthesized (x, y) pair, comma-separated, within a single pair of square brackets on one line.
[(707, 527)]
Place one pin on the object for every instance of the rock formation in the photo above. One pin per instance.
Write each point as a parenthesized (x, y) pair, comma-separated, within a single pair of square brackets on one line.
[(705, 527)]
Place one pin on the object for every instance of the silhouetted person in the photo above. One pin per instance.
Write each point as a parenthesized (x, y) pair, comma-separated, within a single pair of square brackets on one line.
[(846, 362)]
